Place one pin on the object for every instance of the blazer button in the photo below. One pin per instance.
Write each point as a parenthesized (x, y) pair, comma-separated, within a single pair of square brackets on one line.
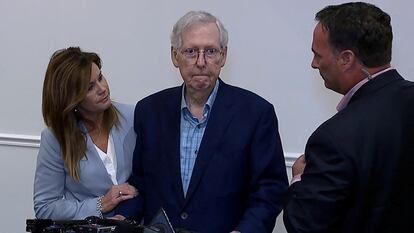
[(184, 215)]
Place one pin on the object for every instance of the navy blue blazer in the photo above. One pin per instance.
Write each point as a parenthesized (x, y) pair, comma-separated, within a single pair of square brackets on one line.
[(239, 179), (358, 176)]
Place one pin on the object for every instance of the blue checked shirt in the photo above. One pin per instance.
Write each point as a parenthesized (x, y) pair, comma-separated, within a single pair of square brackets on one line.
[(192, 131)]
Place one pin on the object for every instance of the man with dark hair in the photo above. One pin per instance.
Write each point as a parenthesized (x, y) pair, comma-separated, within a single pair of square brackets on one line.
[(355, 173)]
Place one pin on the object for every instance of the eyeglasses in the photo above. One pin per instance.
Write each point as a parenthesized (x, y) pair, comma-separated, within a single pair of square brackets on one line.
[(211, 55)]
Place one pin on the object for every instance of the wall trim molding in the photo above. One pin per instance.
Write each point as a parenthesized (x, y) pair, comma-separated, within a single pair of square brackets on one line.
[(290, 158), (33, 141), (19, 140)]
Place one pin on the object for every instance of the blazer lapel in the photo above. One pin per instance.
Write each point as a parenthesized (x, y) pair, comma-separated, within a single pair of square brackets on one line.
[(119, 152), (171, 141), (219, 119), (96, 185)]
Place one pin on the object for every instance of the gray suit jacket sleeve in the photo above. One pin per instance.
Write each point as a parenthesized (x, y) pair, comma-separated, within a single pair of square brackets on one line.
[(49, 185), (57, 195)]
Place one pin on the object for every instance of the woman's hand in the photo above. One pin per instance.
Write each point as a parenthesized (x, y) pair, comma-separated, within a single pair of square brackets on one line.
[(116, 194)]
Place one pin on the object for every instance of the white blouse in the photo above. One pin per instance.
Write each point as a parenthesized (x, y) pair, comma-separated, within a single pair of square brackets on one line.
[(109, 159)]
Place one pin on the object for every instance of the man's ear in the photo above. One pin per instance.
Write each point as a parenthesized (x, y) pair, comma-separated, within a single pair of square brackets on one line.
[(346, 59), (223, 59), (174, 54)]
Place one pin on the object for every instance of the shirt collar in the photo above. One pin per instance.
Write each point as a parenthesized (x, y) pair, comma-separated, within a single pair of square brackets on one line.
[(347, 97)]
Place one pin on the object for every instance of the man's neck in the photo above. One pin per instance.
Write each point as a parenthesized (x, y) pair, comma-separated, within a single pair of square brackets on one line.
[(199, 97), (196, 101), (360, 74), (375, 70)]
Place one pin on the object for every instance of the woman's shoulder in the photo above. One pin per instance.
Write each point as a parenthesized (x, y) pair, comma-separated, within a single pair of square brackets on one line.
[(49, 145), (48, 135), (125, 111)]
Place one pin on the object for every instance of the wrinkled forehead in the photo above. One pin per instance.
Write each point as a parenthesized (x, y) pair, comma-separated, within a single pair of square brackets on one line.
[(211, 25), (207, 32)]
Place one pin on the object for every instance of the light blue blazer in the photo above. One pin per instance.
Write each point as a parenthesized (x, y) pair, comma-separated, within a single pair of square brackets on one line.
[(58, 196)]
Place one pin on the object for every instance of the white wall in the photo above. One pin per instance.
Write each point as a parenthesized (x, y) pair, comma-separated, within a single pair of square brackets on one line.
[(269, 53), (16, 180)]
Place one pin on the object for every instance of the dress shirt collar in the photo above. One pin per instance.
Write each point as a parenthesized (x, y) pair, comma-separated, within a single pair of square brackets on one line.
[(209, 103), (347, 97)]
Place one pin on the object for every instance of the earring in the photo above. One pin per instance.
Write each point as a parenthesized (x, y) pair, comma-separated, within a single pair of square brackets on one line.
[(75, 110)]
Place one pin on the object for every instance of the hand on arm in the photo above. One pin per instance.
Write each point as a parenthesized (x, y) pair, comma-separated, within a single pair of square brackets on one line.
[(117, 194), (133, 208)]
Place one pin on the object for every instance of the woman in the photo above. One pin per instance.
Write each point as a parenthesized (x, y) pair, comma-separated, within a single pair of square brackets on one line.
[(85, 154)]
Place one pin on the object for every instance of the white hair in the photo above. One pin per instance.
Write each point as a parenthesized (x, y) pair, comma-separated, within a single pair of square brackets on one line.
[(193, 18)]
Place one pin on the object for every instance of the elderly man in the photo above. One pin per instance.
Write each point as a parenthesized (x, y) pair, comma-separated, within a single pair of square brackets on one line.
[(207, 152)]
